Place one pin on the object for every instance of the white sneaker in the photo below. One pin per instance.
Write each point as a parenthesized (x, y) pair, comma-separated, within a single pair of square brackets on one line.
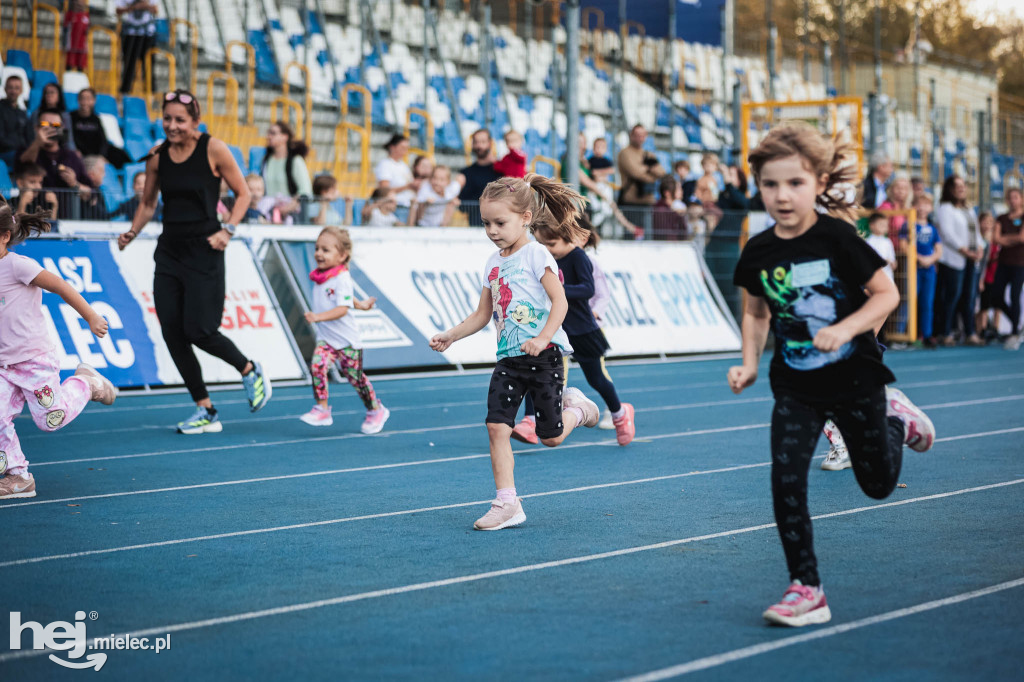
[(573, 397), (1012, 342), (375, 419), (920, 432), (318, 416), (837, 459), (606, 421)]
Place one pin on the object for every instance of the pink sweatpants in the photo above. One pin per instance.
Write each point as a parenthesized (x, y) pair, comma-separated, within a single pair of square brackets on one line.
[(51, 403)]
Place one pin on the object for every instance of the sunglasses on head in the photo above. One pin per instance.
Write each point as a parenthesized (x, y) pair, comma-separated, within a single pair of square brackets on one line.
[(182, 97)]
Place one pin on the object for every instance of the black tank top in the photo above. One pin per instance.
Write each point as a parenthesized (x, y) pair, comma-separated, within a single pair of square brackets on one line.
[(190, 192)]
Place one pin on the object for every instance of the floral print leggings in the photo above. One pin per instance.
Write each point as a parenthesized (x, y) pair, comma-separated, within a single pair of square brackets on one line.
[(350, 362)]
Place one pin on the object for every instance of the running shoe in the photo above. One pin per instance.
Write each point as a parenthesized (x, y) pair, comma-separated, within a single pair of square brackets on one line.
[(12, 486), (375, 419), (920, 432), (800, 605), (318, 416), (526, 431), (624, 427), (501, 515), (201, 421), (257, 387), (606, 422), (837, 459), (103, 391), (573, 397), (1012, 342)]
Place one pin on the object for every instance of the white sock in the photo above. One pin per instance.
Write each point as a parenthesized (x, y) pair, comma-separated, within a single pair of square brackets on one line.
[(577, 412), (507, 495), (618, 415)]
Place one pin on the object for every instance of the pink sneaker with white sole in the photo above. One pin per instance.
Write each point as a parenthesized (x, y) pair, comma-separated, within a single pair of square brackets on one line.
[(318, 416), (800, 605), (375, 419), (920, 432), (625, 429)]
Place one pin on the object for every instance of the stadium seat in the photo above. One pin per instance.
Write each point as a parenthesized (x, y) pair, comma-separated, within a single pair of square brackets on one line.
[(22, 60), (256, 156), (74, 82), (105, 104), (135, 109), (42, 79), (237, 153), (6, 184)]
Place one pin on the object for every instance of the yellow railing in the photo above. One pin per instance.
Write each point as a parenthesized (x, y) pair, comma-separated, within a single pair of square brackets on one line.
[(596, 33), (341, 134), (286, 87), (226, 123), (38, 51), (193, 63), (556, 166), (250, 75), (283, 108), (107, 80), (367, 102), (155, 104), (428, 135)]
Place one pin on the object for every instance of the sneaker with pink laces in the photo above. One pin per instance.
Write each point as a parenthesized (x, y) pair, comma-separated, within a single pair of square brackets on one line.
[(920, 432), (501, 515), (800, 605), (12, 486), (624, 427), (573, 397), (526, 431), (375, 419), (318, 416)]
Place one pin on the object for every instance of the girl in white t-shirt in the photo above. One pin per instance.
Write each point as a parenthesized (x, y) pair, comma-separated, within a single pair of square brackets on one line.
[(28, 363), (523, 295), (337, 335), (436, 200)]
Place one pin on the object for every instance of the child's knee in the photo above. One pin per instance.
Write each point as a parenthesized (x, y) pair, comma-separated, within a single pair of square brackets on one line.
[(552, 442), (51, 421), (497, 432)]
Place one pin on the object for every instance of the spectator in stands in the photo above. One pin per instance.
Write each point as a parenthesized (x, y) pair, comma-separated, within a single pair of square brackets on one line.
[(955, 222), (436, 200), (380, 210), (475, 177), (1009, 235), (734, 196), (75, 35), (94, 206), (681, 173), (898, 198), (138, 35), (513, 164), (606, 217), (601, 151), (713, 168), (638, 170), (706, 193), (698, 227), (929, 251), (16, 130), (422, 167), (53, 99), (63, 167), (126, 210), (262, 209), (873, 191), (86, 128), (668, 224), (917, 188), (284, 171), (325, 193), (31, 195), (394, 174)]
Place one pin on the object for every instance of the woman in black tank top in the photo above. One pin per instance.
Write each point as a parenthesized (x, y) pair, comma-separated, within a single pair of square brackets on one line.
[(188, 284)]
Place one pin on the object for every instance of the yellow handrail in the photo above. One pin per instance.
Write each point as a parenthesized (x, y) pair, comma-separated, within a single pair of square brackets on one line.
[(341, 132), (555, 164), (227, 123), (250, 76), (194, 57), (37, 47), (367, 102), (172, 78), (428, 136), (288, 107), (112, 75), (286, 87), (596, 33)]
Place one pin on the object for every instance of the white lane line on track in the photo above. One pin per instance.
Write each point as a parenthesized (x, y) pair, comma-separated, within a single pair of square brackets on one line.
[(528, 568), (757, 649), (404, 512)]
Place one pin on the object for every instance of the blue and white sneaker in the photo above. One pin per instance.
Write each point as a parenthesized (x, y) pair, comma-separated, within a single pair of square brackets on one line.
[(257, 387), (201, 422)]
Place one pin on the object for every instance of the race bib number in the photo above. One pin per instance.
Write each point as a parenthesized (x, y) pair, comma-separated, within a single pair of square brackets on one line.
[(810, 274)]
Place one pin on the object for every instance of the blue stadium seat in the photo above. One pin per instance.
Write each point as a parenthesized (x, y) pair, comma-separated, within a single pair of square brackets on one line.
[(6, 185), (22, 59), (163, 31), (112, 188), (36, 96), (256, 156), (157, 129), (266, 66), (135, 109), (71, 100), (129, 176), (237, 153), (357, 211), (105, 104)]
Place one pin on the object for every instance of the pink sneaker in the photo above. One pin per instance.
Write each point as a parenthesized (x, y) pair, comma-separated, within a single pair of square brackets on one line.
[(573, 397), (526, 431), (103, 391), (12, 486), (624, 427), (800, 605), (920, 430), (501, 515), (375, 419), (318, 416)]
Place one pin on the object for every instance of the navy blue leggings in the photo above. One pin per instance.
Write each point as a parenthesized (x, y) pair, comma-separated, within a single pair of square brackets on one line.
[(597, 376)]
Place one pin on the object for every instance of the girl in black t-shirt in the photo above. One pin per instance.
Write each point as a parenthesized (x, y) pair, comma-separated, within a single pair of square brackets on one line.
[(824, 292)]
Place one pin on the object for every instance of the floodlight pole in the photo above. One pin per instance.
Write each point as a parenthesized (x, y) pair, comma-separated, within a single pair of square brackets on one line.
[(572, 100)]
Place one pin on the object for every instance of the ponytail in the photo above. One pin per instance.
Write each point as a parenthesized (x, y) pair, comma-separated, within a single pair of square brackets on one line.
[(21, 226)]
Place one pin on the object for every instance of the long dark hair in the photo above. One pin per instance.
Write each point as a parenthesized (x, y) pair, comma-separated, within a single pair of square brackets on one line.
[(946, 196), (21, 226), (61, 105), (192, 107), (295, 148)]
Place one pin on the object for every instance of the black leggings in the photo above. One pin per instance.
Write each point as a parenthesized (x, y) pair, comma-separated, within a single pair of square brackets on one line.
[(190, 304), (597, 376), (875, 443)]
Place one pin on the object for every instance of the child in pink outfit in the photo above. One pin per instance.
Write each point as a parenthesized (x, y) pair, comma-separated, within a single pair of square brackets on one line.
[(513, 164), (28, 364)]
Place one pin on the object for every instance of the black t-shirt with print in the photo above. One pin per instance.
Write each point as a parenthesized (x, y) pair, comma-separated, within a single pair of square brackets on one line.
[(811, 282)]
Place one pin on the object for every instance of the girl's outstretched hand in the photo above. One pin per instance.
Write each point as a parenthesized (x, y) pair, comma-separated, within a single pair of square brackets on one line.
[(442, 341), (740, 377)]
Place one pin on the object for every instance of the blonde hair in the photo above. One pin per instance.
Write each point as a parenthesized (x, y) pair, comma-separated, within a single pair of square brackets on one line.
[(900, 176), (556, 207), (834, 157), (342, 237)]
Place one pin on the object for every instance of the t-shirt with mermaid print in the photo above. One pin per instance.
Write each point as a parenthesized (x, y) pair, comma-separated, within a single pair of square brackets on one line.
[(520, 304)]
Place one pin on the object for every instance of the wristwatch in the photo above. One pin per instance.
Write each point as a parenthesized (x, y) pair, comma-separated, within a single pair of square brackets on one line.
[(230, 228)]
